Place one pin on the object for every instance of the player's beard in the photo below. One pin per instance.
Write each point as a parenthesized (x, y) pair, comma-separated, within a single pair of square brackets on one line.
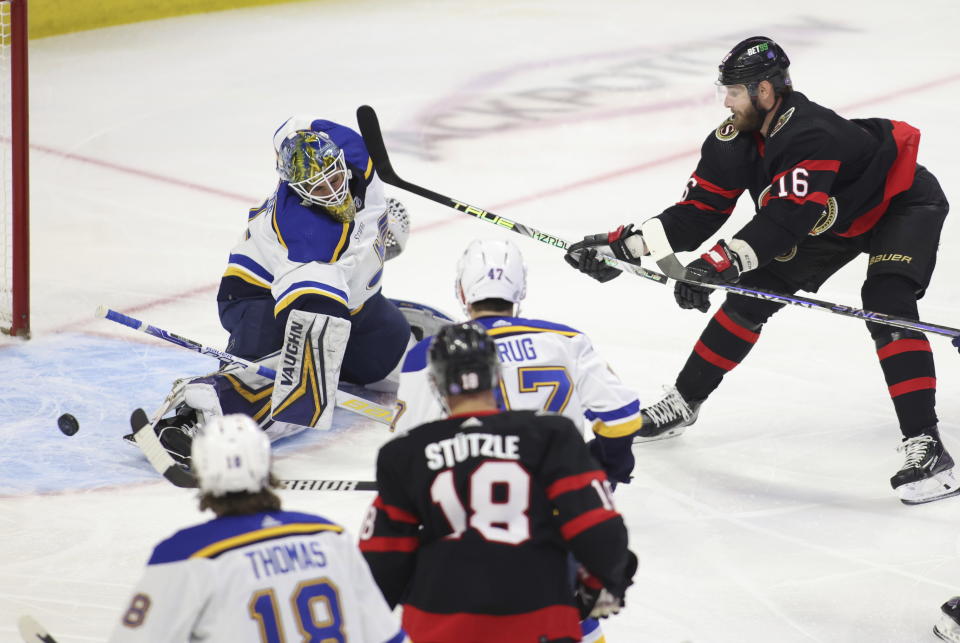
[(747, 120)]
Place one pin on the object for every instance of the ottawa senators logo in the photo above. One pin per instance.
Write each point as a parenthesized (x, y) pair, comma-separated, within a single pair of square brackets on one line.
[(726, 131), (787, 256), (781, 122), (764, 197), (827, 219)]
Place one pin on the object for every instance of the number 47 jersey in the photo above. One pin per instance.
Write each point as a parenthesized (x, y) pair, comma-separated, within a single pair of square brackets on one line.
[(474, 521), (544, 366)]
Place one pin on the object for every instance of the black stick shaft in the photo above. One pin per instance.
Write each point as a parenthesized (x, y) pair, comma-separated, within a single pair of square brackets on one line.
[(373, 137)]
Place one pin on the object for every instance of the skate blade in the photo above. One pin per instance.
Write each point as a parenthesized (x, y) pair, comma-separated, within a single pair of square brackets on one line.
[(941, 485), (947, 629), (669, 433)]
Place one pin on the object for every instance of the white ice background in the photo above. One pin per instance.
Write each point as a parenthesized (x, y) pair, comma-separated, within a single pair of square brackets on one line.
[(769, 520)]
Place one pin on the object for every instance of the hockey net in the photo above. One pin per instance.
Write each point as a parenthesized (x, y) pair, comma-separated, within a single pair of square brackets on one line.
[(14, 260)]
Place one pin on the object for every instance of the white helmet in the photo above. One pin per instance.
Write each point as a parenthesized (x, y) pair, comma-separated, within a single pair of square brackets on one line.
[(491, 269), (231, 453)]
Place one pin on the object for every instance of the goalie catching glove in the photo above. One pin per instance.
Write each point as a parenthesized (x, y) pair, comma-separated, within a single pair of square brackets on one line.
[(625, 243)]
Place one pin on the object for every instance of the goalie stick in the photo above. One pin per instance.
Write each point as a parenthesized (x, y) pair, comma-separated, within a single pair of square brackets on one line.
[(666, 260), (146, 438), (346, 401), (32, 632)]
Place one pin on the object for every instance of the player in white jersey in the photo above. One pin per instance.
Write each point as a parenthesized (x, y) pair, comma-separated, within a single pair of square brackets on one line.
[(255, 572), (301, 291), (543, 365), (546, 366)]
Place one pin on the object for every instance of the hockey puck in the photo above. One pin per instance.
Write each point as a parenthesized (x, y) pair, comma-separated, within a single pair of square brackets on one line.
[(68, 424)]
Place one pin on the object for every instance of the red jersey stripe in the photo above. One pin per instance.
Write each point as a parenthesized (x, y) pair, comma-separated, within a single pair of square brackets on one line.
[(707, 354), (585, 521), (395, 513), (572, 483), (716, 189), (383, 543), (813, 166), (903, 346), (819, 198), (746, 335), (916, 384), (700, 205), (548, 623), (899, 178)]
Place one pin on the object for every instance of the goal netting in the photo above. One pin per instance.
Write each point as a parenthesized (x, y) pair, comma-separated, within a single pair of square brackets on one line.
[(14, 195)]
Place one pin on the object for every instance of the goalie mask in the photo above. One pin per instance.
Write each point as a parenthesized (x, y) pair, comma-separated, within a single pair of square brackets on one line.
[(314, 167), (463, 360), (231, 454), (491, 269)]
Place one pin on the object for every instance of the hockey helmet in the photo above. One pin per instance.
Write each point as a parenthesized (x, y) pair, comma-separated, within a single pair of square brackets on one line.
[(314, 167), (491, 269), (753, 60), (231, 454), (463, 359)]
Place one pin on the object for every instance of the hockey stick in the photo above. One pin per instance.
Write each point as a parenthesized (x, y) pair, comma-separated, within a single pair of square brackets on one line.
[(328, 485), (32, 632), (667, 261), (346, 401), (656, 239), (373, 137), (179, 476)]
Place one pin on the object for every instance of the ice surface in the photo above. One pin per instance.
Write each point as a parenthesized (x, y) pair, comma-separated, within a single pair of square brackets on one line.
[(771, 519)]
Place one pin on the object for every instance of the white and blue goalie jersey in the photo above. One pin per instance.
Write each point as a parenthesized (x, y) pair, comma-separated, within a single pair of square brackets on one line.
[(290, 250), (277, 576), (544, 366)]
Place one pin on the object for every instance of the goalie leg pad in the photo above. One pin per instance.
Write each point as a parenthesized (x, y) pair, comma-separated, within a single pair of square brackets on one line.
[(308, 372)]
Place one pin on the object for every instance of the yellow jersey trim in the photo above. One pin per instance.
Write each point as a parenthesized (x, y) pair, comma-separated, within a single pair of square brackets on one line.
[(503, 330), (289, 299), (233, 271), (344, 235), (262, 534), (617, 430)]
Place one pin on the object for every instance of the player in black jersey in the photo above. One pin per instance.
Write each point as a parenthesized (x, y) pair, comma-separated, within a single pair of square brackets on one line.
[(477, 515), (825, 189)]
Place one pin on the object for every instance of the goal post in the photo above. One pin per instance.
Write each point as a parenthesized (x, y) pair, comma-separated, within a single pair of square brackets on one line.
[(15, 197)]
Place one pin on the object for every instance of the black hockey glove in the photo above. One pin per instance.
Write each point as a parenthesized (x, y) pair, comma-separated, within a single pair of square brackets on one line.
[(595, 601), (590, 264), (719, 265), (956, 342)]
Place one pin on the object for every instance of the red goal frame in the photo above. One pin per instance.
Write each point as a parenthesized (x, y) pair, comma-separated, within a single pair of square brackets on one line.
[(20, 163)]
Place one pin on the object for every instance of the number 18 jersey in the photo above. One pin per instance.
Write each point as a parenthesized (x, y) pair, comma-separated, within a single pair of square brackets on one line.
[(270, 577), (473, 523)]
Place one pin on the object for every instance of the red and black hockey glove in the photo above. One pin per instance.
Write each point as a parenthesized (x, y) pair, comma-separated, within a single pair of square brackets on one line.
[(719, 265), (590, 264), (594, 600)]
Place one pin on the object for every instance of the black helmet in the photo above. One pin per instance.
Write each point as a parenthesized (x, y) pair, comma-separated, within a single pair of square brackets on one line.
[(463, 359), (755, 59)]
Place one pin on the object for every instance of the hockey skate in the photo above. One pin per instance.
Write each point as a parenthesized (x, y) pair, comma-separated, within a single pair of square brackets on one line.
[(175, 434), (948, 627), (927, 474), (667, 418)]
